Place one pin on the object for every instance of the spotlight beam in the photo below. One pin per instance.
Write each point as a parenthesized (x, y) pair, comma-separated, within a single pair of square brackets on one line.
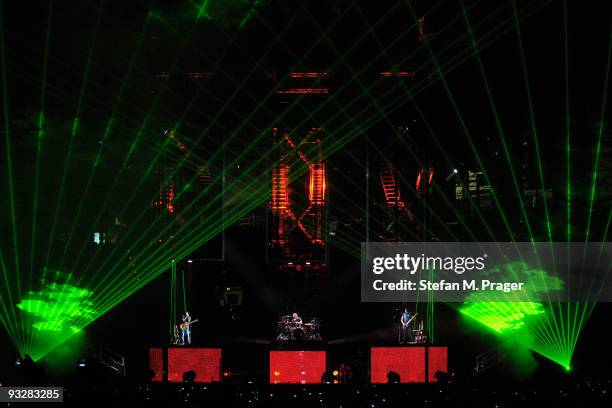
[(252, 200), (20, 339)]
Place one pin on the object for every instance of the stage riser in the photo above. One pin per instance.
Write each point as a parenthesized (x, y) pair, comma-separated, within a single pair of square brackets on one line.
[(410, 364)]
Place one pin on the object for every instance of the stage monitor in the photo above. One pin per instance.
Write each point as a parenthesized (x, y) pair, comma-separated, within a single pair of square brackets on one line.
[(407, 362), (205, 362), (297, 367)]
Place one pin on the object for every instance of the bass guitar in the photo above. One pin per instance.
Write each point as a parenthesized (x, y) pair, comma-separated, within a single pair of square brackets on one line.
[(409, 321), (186, 325)]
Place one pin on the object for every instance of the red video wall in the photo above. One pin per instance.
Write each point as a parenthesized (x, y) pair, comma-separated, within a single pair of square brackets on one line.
[(156, 363), (206, 362), (297, 367), (408, 362), (411, 363), (438, 361)]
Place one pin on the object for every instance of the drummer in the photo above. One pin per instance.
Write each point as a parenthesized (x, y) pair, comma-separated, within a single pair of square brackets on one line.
[(296, 319)]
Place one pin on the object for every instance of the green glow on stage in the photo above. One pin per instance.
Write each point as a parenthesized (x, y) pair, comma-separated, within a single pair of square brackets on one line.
[(527, 324), (58, 306), (503, 316), (515, 317), (54, 312)]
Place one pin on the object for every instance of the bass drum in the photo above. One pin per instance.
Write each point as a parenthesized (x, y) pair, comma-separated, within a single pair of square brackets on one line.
[(298, 333), (308, 330)]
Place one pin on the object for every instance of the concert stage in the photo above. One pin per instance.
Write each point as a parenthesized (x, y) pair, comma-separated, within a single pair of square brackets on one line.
[(297, 367), (413, 364), (402, 364), (350, 203), (169, 364)]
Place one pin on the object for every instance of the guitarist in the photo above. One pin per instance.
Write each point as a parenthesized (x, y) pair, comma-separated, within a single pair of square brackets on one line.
[(406, 321), (186, 328)]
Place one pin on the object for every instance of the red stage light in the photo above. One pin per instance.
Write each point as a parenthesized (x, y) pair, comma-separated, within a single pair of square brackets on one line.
[(312, 74), (391, 188), (296, 367), (408, 362), (316, 187), (280, 192), (303, 91), (400, 74), (206, 362)]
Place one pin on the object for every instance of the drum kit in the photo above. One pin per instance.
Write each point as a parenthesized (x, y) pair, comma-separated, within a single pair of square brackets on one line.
[(419, 336), (288, 330)]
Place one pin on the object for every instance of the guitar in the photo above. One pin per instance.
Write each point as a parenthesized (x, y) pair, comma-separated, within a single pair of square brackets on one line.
[(409, 321), (185, 325)]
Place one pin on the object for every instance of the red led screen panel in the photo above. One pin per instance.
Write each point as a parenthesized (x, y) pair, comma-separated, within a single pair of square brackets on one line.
[(296, 367), (206, 362), (156, 363), (408, 362), (438, 361)]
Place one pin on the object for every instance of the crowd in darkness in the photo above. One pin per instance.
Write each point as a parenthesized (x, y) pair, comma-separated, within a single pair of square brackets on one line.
[(93, 383), (587, 393)]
